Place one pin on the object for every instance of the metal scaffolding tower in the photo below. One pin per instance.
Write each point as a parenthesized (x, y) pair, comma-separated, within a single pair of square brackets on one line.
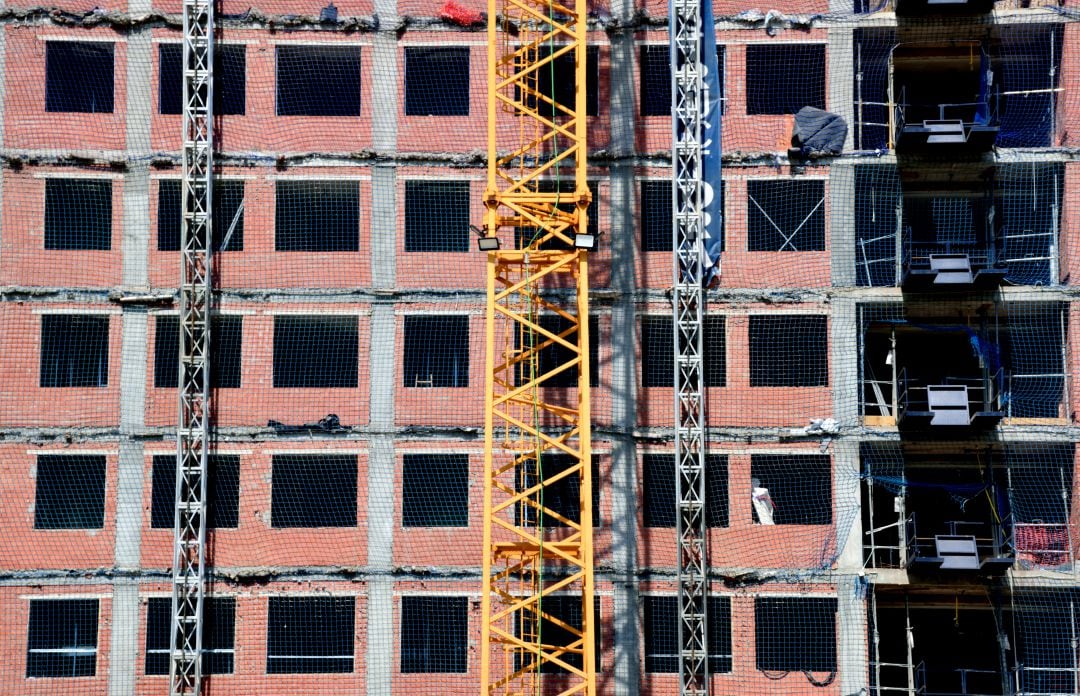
[(688, 229), (185, 664), (536, 143)]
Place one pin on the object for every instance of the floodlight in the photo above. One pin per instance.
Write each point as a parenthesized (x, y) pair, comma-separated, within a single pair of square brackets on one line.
[(488, 243), (585, 241)]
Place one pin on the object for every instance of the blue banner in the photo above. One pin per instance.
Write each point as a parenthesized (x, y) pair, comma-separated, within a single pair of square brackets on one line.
[(710, 148)]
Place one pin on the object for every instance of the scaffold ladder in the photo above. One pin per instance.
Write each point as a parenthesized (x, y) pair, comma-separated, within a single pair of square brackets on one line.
[(189, 532), (688, 229), (534, 139)]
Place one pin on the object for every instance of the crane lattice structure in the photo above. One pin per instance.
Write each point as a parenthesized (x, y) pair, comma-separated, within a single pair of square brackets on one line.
[(185, 663), (689, 296), (540, 140)]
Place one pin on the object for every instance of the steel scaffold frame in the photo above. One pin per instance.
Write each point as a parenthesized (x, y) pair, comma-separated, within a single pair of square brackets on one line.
[(688, 229), (523, 565), (189, 532)]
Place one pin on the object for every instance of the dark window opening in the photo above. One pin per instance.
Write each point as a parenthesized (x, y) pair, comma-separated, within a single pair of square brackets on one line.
[(316, 352), (556, 81), (436, 351), (657, 231), (218, 631), (658, 352), (789, 350), (222, 491), (310, 635), (78, 214), (435, 490), (564, 608), (799, 487), (62, 638), (79, 77), (655, 81), (70, 492), (784, 77), (434, 634), (656, 216), (655, 75), (795, 634), (562, 497), (313, 490), (557, 354), (661, 632), (436, 81), (230, 79), (659, 508), (228, 209), (524, 236), (74, 350), (226, 340), (437, 216), (785, 214), (318, 80), (317, 216)]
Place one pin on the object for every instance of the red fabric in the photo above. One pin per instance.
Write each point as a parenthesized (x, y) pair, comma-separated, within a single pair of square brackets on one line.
[(462, 16), (1043, 545)]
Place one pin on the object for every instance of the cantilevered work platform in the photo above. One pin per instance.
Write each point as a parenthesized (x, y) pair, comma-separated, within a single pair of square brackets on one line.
[(532, 551)]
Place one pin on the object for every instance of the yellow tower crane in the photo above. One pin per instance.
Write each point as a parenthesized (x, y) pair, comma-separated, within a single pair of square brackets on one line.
[(537, 554)]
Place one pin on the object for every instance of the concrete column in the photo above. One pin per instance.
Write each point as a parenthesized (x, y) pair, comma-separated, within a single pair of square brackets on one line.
[(844, 361), (842, 224), (851, 652), (841, 73), (627, 630), (379, 662), (124, 645), (847, 499)]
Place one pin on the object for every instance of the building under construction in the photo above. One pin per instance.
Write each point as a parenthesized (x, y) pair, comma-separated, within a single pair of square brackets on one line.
[(398, 347)]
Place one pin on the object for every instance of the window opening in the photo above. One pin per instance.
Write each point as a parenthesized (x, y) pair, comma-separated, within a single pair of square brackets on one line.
[(62, 640), (230, 79), (317, 216), (227, 230), (69, 492), (661, 623), (436, 81), (785, 214), (79, 77), (435, 490), (783, 78), (78, 214), (313, 490), (218, 632), (222, 489), (437, 216), (436, 351), (434, 634), (310, 635), (318, 80), (315, 352), (74, 350), (226, 341), (658, 497)]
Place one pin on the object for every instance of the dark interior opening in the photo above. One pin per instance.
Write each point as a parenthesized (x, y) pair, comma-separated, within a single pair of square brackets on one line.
[(955, 647)]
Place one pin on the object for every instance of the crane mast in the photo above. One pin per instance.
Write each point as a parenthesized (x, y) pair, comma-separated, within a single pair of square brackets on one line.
[(189, 543), (536, 557), (688, 198)]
